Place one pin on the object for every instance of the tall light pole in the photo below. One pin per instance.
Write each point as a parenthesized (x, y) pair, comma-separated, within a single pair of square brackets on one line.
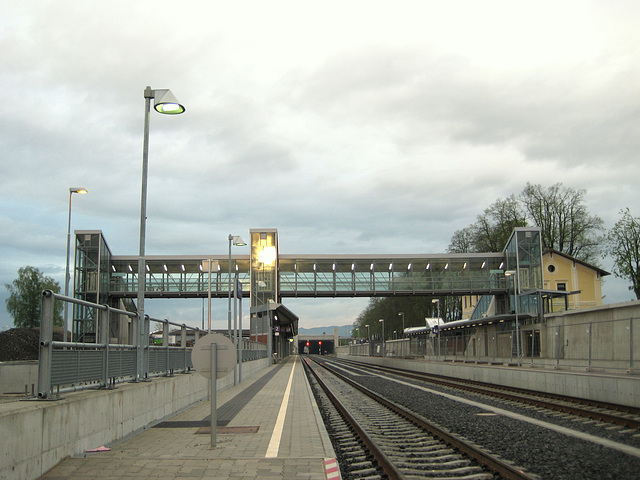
[(437, 302), (516, 300), (67, 277), (164, 102), (368, 333), (402, 315), (237, 241), (382, 322)]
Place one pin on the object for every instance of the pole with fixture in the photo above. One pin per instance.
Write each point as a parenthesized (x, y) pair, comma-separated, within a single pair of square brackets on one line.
[(383, 346), (67, 277), (516, 300), (238, 242), (437, 302), (166, 103)]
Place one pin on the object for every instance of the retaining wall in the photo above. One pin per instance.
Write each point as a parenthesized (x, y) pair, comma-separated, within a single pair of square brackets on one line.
[(16, 376)]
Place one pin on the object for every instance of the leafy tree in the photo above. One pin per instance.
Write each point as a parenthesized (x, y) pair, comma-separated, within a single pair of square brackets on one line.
[(623, 244), (25, 298), (564, 221)]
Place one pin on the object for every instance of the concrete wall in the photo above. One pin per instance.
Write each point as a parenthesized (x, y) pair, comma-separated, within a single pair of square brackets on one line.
[(15, 376), (37, 435)]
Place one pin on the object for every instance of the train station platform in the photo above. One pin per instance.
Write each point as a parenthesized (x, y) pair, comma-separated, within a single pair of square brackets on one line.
[(269, 427)]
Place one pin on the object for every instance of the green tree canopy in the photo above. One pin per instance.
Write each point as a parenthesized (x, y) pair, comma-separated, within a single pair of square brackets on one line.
[(25, 298), (623, 244)]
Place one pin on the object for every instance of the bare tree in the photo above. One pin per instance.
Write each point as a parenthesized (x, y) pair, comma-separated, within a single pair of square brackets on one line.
[(623, 244), (491, 230), (565, 223)]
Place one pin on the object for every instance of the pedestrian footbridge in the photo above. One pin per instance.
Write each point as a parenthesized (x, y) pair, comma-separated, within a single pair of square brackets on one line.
[(266, 276), (316, 275)]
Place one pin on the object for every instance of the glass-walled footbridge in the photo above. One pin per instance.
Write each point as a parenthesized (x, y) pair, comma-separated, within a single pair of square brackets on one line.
[(316, 275), (266, 277)]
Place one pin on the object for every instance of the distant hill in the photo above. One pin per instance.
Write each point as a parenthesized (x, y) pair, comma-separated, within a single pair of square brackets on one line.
[(343, 331)]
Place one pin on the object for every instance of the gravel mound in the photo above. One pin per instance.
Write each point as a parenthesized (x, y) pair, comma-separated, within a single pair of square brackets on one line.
[(23, 343)]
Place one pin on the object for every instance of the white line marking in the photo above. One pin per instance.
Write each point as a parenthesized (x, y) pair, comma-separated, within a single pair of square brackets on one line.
[(274, 443)]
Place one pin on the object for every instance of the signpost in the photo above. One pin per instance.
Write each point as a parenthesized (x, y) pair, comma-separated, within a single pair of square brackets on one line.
[(213, 357)]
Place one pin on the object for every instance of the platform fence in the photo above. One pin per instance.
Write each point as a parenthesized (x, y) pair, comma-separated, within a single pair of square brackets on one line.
[(608, 345), (65, 366)]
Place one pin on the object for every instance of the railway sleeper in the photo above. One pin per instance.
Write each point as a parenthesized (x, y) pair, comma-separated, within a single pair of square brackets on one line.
[(365, 473), (457, 473), (418, 465), (356, 459)]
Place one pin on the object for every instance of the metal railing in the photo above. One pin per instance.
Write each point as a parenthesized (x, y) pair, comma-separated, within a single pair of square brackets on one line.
[(71, 366), (606, 345)]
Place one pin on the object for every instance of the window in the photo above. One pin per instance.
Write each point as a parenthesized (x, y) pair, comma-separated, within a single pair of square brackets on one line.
[(551, 268), (561, 286)]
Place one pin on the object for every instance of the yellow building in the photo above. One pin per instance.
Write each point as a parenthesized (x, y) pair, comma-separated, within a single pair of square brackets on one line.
[(564, 273)]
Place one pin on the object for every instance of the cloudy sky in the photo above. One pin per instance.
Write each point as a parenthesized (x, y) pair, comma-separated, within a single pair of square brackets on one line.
[(350, 126)]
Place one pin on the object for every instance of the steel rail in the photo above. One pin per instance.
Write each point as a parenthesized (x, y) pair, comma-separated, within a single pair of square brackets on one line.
[(383, 461), (522, 396), (505, 470)]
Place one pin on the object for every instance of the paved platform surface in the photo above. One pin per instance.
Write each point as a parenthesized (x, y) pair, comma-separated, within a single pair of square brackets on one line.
[(269, 427)]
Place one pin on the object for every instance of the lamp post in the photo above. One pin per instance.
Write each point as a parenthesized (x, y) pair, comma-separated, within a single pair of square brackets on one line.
[(382, 322), (164, 102), (237, 241), (67, 277), (402, 315), (516, 301), (210, 264), (437, 302)]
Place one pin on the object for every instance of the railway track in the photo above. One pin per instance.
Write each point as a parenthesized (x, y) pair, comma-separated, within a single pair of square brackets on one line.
[(379, 439), (619, 415)]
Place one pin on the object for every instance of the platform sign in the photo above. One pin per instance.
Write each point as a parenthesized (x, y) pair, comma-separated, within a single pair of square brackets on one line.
[(435, 329), (201, 355), (213, 357)]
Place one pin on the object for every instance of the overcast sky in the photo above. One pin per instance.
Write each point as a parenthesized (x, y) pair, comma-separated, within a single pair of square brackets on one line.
[(350, 126)]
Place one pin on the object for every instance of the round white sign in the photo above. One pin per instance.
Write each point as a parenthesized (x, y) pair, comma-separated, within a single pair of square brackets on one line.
[(226, 358)]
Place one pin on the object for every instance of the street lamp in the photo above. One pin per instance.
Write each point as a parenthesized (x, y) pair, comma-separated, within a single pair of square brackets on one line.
[(402, 314), (237, 241), (382, 321), (437, 302), (67, 277), (164, 102), (368, 333), (516, 299)]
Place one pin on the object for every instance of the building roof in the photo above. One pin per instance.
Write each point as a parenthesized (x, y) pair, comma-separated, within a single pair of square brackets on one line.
[(552, 252)]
